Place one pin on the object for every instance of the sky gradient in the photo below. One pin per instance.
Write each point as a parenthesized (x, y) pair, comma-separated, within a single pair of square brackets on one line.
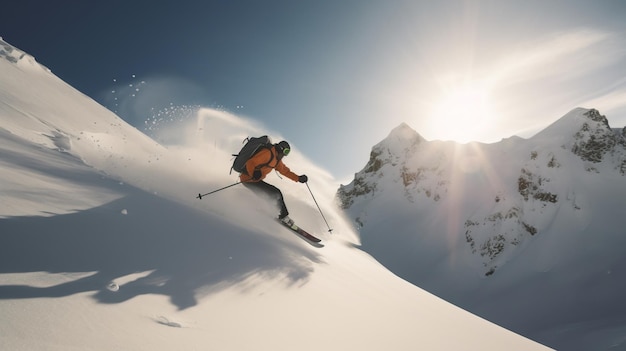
[(334, 77)]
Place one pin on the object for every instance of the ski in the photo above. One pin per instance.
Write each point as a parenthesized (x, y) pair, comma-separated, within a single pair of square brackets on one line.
[(303, 234)]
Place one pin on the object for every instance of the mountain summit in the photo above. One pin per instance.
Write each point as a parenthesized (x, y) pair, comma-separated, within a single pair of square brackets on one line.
[(587, 134), (476, 221)]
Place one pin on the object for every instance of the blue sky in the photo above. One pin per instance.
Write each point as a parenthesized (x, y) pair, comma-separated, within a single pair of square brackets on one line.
[(334, 77)]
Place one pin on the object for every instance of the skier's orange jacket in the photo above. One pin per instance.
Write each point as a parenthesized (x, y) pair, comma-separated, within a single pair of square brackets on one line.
[(260, 162)]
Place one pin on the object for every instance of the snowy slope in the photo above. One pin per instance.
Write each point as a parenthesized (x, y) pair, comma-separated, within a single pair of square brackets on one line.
[(104, 246), (527, 233)]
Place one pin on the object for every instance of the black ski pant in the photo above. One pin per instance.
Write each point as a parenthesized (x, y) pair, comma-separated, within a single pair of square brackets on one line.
[(264, 189)]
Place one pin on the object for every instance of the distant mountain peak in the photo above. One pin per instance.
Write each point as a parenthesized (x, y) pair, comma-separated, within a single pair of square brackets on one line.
[(389, 155), (403, 129), (511, 190), (572, 122), (586, 133), (404, 132), (400, 140)]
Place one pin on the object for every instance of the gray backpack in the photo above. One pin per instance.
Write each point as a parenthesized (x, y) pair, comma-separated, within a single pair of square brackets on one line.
[(252, 147)]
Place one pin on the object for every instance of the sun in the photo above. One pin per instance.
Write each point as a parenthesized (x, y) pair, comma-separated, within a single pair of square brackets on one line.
[(462, 113)]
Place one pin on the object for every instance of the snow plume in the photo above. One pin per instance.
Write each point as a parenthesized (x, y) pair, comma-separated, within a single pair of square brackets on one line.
[(145, 101), (210, 137)]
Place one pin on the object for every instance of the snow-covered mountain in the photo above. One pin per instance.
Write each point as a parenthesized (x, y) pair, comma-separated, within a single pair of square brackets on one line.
[(528, 233), (104, 246)]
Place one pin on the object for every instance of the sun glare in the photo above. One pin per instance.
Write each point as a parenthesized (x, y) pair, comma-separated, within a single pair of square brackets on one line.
[(461, 114)]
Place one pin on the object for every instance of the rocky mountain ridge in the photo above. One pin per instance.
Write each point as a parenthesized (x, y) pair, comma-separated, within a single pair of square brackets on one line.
[(519, 194)]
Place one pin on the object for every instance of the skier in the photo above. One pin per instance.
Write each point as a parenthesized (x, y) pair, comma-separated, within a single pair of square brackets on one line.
[(262, 163)]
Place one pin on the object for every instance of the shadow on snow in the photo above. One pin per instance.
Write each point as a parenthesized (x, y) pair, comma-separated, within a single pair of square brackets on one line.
[(189, 253)]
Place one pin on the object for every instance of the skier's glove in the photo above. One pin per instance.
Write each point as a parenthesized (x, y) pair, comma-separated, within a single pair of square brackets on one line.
[(303, 179), (256, 175)]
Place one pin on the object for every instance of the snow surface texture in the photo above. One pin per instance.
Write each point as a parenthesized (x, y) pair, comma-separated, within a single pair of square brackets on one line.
[(103, 245), (526, 233)]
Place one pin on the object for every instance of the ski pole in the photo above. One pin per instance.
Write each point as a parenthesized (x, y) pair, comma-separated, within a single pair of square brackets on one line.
[(214, 191), (318, 207)]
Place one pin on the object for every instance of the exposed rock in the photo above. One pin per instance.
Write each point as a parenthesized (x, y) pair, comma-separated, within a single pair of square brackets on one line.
[(595, 138), (518, 206)]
